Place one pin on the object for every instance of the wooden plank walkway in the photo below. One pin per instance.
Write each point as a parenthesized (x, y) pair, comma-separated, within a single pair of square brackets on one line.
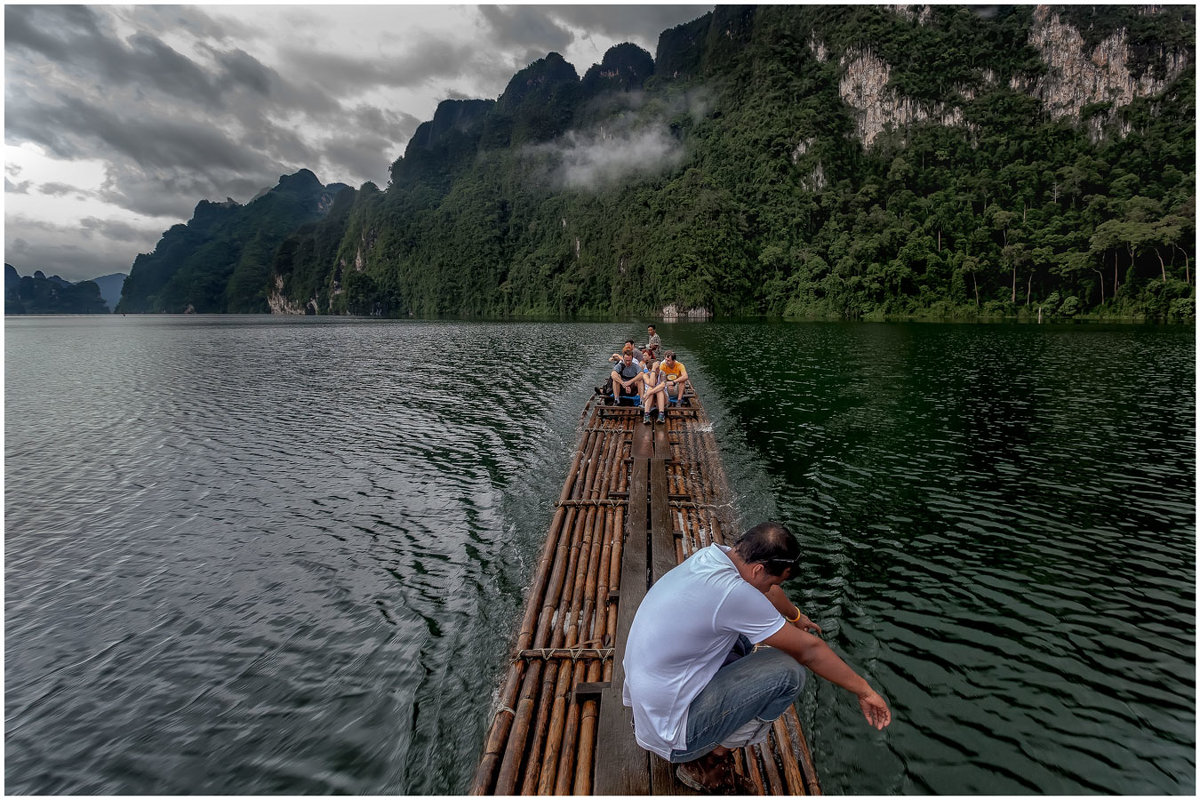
[(638, 500)]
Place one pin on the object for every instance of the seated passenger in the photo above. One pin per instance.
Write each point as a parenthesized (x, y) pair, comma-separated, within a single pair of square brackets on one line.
[(654, 390), (626, 379), (629, 347), (675, 374)]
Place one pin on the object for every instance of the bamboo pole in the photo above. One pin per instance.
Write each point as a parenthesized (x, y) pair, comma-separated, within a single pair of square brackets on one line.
[(752, 769), (547, 585), (549, 622), (506, 780), (787, 757), (587, 736), (503, 722), (566, 758), (561, 521), (568, 490), (558, 576), (568, 633), (599, 609), (614, 579), (571, 732), (547, 759), (532, 761), (803, 756), (616, 463), (774, 782), (599, 570), (485, 773), (592, 464)]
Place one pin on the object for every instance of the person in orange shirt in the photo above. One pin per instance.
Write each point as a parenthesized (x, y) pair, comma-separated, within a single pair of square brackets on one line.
[(675, 373)]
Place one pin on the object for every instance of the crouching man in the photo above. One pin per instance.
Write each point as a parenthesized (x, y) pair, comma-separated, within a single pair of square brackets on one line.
[(697, 687)]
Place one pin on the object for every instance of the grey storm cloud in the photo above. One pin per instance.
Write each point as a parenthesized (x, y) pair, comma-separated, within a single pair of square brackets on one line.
[(369, 132), (360, 152), (430, 59), (56, 189), (182, 103), (241, 69), (527, 27), (175, 192), (115, 230), (618, 21), (50, 30), (76, 252), (85, 46), (193, 19), (73, 128)]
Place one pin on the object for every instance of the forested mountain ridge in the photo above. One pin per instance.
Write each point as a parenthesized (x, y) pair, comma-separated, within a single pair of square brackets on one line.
[(834, 161), (219, 261), (38, 294)]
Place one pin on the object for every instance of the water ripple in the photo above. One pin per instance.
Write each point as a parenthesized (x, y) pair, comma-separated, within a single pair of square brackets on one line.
[(1000, 527), (260, 556)]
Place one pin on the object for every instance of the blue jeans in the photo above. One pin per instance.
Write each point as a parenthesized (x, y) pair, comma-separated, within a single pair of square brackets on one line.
[(760, 685)]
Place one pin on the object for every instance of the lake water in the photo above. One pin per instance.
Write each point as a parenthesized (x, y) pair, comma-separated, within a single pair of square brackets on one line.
[(259, 555)]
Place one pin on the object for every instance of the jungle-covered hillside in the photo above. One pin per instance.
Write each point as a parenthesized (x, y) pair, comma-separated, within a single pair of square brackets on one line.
[(799, 161)]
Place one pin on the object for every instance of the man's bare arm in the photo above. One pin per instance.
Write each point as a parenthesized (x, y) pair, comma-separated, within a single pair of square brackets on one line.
[(818, 657)]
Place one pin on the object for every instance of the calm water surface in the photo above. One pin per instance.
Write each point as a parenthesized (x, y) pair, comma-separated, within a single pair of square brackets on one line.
[(254, 555)]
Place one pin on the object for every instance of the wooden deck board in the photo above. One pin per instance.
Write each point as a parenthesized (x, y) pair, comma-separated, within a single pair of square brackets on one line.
[(622, 767), (637, 501)]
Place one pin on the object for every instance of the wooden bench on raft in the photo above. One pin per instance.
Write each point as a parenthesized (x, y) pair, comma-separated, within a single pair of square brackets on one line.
[(638, 500)]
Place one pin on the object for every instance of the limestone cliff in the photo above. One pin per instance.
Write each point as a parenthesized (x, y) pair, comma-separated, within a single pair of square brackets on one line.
[(1077, 78), (864, 87)]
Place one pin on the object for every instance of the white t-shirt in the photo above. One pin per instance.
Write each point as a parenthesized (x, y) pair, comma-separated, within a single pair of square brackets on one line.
[(680, 636)]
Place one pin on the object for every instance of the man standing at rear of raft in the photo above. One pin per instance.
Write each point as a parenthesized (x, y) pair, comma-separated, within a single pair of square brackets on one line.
[(697, 687), (653, 342)]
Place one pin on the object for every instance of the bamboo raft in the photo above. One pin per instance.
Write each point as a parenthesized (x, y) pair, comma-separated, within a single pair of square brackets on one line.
[(638, 500)]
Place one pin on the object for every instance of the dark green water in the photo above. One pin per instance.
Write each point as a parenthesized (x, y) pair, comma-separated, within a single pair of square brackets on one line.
[(1001, 529), (256, 555)]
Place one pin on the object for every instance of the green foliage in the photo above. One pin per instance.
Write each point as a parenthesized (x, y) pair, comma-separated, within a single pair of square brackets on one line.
[(221, 260), (773, 206), (37, 294)]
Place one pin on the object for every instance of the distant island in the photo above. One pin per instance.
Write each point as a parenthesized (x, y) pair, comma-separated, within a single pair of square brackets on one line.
[(797, 161), (38, 294)]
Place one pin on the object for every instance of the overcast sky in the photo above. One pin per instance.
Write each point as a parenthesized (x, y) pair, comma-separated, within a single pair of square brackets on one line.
[(119, 119)]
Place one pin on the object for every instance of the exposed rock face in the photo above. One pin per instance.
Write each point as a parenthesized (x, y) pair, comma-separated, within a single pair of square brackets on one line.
[(280, 304), (325, 201), (910, 13), (815, 180), (864, 88), (674, 312), (1077, 79)]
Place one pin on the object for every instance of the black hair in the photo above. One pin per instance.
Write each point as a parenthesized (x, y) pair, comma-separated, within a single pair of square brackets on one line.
[(651, 327), (629, 341), (770, 544)]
